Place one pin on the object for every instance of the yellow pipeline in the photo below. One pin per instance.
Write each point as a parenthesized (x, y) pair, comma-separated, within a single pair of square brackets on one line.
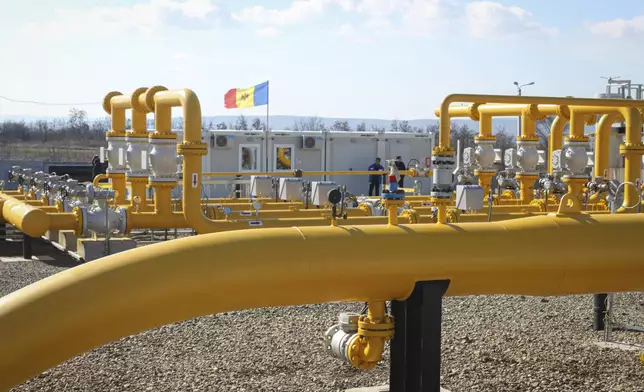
[(632, 149), (192, 148), (304, 213), (300, 173), (97, 180), (555, 141), (132, 292), (34, 221), (602, 142), (115, 104)]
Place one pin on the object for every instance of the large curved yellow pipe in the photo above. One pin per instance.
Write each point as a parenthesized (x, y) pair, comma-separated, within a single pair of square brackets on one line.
[(98, 302)]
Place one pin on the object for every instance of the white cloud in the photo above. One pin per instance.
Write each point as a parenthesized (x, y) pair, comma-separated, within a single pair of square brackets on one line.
[(350, 32), (180, 56), (269, 32), (298, 12), (618, 28), (380, 8), (488, 19), (104, 21)]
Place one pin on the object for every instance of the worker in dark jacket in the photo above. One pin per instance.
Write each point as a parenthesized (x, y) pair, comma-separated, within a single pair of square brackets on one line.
[(400, 165), (98, 167), (374, 179)]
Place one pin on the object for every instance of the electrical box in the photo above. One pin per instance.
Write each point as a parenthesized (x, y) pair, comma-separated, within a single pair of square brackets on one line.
[(469, 197), (319, 191), (261, 186), (290, 189)]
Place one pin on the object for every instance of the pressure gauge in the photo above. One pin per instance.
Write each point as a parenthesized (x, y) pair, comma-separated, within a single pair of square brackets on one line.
[(227, 210), (257, 205)]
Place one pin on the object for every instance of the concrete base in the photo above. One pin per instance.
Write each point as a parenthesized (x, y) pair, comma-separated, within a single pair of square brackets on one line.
[(91, 249), (383, 388), (52, 235), (67, 239)]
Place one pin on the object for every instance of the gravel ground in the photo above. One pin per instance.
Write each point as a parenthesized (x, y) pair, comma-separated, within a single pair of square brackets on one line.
[(490, 343)]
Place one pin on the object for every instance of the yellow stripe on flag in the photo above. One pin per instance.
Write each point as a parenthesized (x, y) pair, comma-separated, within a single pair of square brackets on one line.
[(246, 97)]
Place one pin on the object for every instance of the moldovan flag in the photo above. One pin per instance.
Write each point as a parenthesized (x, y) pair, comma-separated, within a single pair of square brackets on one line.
[(247, 97)]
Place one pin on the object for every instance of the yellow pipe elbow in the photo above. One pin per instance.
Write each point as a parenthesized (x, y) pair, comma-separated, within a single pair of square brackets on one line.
[(602, 143), (98, 179)]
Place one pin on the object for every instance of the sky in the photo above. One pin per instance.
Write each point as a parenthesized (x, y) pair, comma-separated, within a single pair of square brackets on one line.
[(389, 59)]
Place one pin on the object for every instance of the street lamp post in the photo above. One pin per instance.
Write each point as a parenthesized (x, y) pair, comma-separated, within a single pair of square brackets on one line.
[(519, 87)]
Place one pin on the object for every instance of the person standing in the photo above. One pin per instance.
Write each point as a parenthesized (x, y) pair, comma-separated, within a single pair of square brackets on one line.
[(374, 179), (400, 165)]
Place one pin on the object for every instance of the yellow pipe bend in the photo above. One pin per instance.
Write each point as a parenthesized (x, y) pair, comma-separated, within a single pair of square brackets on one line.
[(127, 293), (98, 179)]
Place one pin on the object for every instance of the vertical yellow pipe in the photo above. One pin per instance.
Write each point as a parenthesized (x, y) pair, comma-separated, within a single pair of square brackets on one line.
[(137, 134), (528, 127), (602, 143), (115, 104), (632, 149), (442, 213), (163, 197), (485, 127), (555, 141)]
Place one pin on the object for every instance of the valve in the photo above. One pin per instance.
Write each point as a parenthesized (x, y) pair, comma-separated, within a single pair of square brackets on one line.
[(393, 193), (359, 340), (336, 196)]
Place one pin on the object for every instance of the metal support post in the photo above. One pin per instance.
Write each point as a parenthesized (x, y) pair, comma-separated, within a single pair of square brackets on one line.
[(27, 251), (599, 311), (416, 345)]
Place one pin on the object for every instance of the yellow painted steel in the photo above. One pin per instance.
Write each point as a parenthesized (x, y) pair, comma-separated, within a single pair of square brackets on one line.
[(34, 221), (98, 178), (115, 105), (365, 349), (632, 149), (300, 173), (298, 213), (602, 142), (95, 303), (555, 141)]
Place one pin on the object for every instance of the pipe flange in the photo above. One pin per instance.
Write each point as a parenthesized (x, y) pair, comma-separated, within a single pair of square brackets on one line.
[(473, 111), (148, 98), (136, 100), (563, 111), (107, 101), (625, 148), (532, 112)]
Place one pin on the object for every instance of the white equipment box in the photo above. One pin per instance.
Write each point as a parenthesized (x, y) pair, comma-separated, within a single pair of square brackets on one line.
[(319, 191), (469, 197), (291, 189), (261, 186)]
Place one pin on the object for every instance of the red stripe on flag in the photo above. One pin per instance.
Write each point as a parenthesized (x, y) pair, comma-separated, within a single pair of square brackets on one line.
[(230, 99)]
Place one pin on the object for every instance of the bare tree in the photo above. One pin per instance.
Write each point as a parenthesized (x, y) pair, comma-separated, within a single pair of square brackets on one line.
[(221, 125), (404, 126), (241, 123), (362, 127), (310, 124), (257, 124), (341, 126)]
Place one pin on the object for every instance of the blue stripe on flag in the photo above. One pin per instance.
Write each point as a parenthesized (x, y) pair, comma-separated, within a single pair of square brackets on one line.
[(261, 94)]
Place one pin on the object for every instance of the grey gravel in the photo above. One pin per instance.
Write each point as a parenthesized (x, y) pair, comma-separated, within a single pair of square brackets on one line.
[(490, 343)]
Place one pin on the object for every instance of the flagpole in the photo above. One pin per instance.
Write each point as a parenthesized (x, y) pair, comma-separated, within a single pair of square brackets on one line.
[(267, 102)]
